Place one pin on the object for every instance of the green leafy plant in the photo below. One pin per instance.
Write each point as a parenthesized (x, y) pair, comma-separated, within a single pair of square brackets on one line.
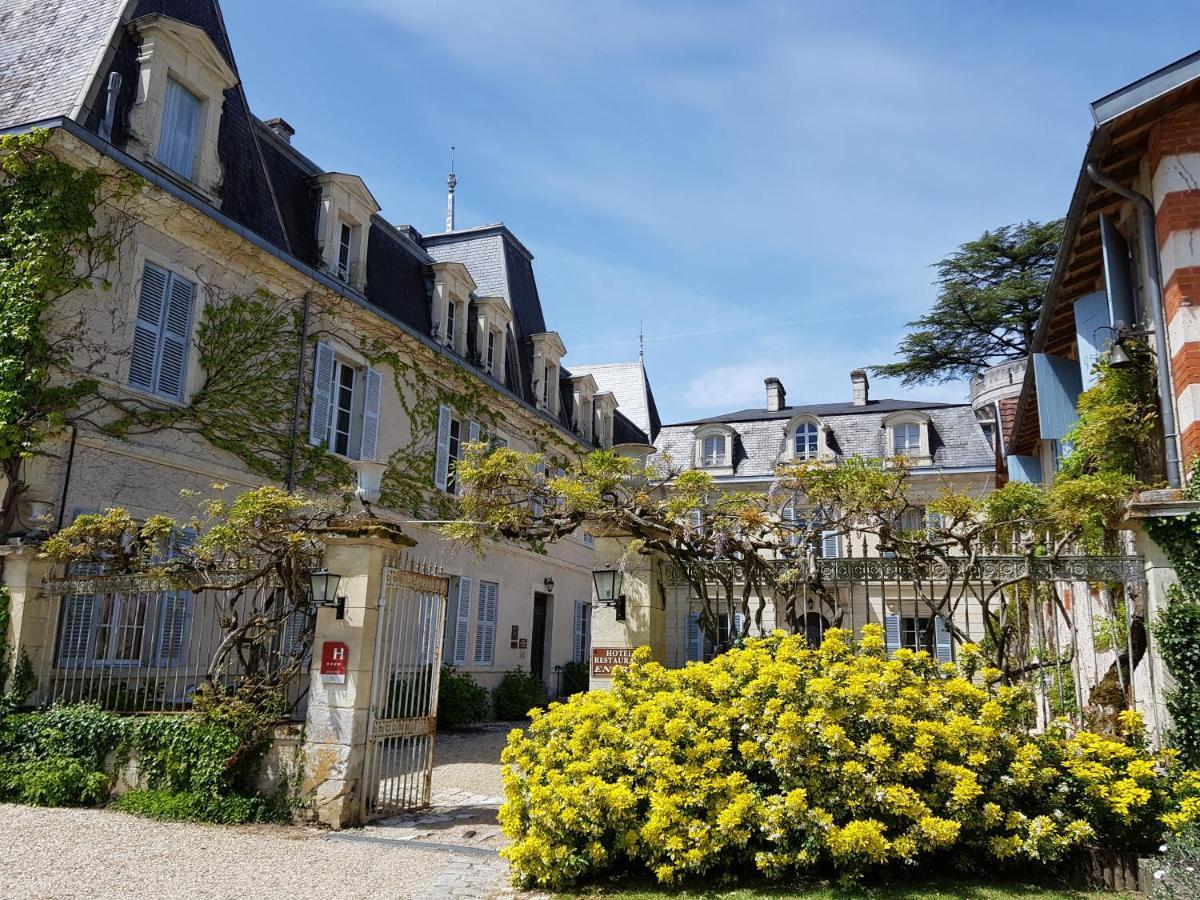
[(1178, 633), (517, 693), (1177, 872), (574, 677), (462, 701)]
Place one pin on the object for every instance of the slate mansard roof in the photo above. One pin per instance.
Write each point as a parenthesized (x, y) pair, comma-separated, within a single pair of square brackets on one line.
[(760, 435), (55, 59)]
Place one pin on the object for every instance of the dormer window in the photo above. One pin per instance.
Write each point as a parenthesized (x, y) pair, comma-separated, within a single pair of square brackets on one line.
[(345, 249), (451, 318), (548, 350), (807, 441), (345, 211), (492, 320), (908, 436), (712, 450), (490, 361), (452, 288), (180, 130), (176, 118)]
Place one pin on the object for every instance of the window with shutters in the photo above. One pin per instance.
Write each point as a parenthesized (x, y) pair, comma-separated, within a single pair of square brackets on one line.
[(180, 131), (162, 333), (928, 633), (452, 435), (458, 622), (144, 628), (485, 623), (344, 416), (582, 642)]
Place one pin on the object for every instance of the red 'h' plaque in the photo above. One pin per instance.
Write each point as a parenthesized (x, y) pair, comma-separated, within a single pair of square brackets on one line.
[(334, 657)]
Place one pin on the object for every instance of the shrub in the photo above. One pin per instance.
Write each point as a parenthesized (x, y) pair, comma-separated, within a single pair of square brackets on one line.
[(574, 678), (461, 699), (1178, 634), (517, 693), (777, 760)]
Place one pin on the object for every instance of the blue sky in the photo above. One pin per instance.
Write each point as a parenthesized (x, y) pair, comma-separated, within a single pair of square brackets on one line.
[(763, 184)]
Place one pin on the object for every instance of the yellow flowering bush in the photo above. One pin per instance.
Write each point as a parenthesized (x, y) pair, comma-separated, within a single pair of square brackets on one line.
[(776, 759)]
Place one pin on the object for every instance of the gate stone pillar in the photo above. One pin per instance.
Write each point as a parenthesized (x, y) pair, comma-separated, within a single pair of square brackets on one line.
[(645, 616), (336, 727), (31, 611)]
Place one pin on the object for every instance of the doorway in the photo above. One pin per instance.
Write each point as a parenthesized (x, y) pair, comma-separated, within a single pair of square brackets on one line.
[(537, 640)]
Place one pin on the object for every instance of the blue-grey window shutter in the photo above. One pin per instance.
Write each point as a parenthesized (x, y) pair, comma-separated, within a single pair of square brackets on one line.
[(1092, 332), (829, 545), (322, 399), (143, 357), (891, 632), (174, 618), (462, 623), (695, 638), (1025, 469), (176, 332), (441, 467), (739, 620), (1118, 274), (1059, 385), (943, 641), (370, 425), (76, 630)]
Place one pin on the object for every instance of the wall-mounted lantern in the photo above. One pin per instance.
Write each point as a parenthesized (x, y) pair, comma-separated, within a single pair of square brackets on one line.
[(608, 583), (548, 584), (324, 585)]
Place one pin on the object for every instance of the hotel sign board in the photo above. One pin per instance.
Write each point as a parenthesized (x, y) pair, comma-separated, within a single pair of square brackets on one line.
[(605, 659)]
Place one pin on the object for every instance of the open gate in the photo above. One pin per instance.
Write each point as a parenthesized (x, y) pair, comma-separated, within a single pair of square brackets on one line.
[(402, 721)]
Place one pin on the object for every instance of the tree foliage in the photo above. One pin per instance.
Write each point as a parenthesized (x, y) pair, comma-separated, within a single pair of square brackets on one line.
[(989, 297)]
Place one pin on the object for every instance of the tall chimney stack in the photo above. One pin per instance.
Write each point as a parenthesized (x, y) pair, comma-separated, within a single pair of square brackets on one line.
[(858, 379), (776, 395)]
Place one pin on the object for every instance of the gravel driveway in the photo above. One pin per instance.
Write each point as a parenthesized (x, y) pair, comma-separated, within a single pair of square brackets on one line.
[(93, 853)]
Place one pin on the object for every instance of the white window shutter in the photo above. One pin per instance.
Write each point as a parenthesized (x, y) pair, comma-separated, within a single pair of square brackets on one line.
[(373, 382), (891, 631), (143, 357), (174, 617), (441, 467), (462, 622), (829, 544), (176, 333), (425, 629), (322, 398), (493, 602), (485, 623), (943, 643), (76, 630), (695, 638)]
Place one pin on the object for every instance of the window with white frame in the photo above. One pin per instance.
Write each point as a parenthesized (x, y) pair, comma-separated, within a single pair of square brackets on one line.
[(161, 333), (451, 319), (493, 338), (344, 416), (583, 631), (906, 439), (713, 450), (808, 441), (453, 434), (179, 136), (345, 250), (485, 623)]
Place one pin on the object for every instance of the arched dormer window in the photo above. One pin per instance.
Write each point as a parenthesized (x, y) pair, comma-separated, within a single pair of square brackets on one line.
[(807, 439), (714, 449), (907, 434)]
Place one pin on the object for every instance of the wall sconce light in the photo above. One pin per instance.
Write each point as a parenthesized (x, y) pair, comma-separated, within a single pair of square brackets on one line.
[(323, 586), (608, 583), (548, 583)]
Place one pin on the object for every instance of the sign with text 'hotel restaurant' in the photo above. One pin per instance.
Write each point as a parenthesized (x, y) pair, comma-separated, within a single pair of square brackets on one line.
[(605, 659)]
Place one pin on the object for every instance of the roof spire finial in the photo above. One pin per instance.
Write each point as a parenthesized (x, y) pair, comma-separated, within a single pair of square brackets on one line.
[(451, 184), (641, 342)]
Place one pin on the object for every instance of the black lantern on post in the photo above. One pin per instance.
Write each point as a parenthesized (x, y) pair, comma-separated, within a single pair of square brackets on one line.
[(323, 585), (608, 590)]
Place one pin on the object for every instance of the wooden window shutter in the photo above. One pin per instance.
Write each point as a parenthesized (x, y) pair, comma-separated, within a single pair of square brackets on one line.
[(174, 618), (830, 545), (695, 638), (322, 398), (76, 630), (891, 632), (1118, 276), (143, 358), (943, 640), (462, 622), (441, 468), (1059, 384), (373, 382), (485, 623), (176, 331)]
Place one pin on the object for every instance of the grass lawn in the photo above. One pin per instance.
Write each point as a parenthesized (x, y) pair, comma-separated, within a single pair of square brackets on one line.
[(949, 889)]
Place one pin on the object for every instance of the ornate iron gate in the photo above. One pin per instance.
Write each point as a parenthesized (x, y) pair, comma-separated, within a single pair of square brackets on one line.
[(398, 765)]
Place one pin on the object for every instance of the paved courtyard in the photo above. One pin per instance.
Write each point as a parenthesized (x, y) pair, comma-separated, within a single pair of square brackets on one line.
[(448, 851)]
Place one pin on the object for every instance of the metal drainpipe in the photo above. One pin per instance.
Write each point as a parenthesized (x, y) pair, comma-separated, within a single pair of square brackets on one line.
[(1166, 399)]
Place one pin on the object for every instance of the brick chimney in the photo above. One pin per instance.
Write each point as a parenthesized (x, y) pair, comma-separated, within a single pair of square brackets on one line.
[(776, 395), (858, 379), (281, 128)]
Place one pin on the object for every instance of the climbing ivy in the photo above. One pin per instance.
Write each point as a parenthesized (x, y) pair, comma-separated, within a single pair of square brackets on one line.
[(50, 245)]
